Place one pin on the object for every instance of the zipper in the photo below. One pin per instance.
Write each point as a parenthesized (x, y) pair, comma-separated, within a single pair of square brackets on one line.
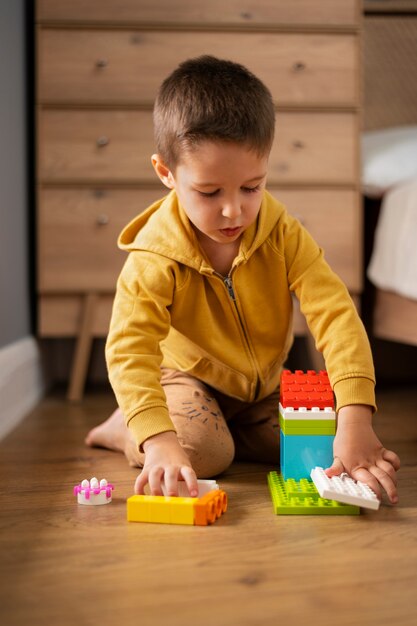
[(229, 286), (228, 283)]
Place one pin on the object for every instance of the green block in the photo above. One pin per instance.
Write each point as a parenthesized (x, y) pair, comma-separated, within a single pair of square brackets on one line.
[(307, 427), (300, 497)]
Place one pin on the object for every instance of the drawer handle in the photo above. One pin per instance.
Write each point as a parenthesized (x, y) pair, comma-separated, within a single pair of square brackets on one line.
[(100, 63), (102, 141), (299, 66), (102, 219), (298, 144)]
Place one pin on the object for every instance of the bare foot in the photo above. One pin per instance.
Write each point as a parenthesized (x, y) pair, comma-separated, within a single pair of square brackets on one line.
[(113, 434)]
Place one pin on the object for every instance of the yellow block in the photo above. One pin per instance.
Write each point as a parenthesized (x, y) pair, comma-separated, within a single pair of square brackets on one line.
[(182, 510), (138, 509), (161, 509)]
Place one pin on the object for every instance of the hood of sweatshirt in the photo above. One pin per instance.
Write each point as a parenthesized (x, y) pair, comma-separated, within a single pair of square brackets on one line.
[(165, 229)]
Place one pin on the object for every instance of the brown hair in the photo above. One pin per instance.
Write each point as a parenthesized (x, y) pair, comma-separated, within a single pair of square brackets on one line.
[(212, 99)]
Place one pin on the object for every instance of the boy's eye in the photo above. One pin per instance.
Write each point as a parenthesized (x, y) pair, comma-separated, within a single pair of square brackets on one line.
[(210, 194), (250, 189)]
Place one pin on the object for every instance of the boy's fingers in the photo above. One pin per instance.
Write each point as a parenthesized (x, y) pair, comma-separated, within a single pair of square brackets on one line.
[(388, 469), (336, 468), (386, 481), (171, 481), (365, 476), (154, 480), (140, 483), (190, 478), (391, 457)]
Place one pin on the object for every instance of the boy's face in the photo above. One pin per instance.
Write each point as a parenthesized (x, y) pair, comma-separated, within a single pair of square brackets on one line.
[(219, 186)]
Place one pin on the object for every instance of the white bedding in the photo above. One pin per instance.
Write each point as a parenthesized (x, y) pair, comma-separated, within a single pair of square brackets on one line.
[(389, 157), (393, 264)]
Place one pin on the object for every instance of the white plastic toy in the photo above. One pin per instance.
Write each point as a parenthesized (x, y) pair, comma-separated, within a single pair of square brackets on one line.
[(344, 489), (93, 492), (204, 486)]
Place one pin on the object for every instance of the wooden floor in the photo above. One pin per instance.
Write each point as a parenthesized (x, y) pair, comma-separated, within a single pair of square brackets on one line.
[(65, 564)]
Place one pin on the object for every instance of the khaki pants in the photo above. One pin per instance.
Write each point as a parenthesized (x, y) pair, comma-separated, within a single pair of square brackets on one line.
[(214, 429)]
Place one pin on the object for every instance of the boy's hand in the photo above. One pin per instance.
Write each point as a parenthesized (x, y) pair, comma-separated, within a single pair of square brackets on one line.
[(165, 461), (358, 451)]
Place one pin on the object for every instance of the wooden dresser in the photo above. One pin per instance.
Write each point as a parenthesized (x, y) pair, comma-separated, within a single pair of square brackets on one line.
[(99, 64)]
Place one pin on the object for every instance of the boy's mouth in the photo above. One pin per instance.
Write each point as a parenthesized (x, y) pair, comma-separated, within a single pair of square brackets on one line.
[(230, 232)]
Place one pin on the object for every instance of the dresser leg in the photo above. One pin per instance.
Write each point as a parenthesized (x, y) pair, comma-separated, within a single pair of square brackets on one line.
[(82, 349)]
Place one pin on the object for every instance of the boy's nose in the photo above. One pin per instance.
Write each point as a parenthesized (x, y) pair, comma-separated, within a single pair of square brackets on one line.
[(231, 210)]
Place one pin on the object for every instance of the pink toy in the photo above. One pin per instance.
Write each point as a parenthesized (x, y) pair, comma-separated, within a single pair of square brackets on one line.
[(93, 492)]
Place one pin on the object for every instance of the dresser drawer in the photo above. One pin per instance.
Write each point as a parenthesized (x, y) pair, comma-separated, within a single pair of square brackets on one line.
[(201, 12), (333, 218), (318, 148), (85, 145), (123, 66), (77, 236), (61, 316), (116, 146), (78, 230)]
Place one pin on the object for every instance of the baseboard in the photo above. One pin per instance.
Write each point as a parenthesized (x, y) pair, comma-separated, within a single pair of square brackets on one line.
[(21, 382)]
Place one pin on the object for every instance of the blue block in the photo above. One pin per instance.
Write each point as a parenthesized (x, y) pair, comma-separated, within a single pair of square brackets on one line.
[(302, 453)]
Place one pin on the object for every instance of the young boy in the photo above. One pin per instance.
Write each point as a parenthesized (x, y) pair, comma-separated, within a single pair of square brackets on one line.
[(201, 323)]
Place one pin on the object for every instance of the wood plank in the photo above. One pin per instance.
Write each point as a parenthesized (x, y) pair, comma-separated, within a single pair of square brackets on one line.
[(115, 146), (102, 66), (334, 218), (61, 315), (77, 234), (78, 230), (318, 12)]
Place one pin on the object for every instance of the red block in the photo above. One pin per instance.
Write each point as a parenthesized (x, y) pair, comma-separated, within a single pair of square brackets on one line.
[(306, 389)]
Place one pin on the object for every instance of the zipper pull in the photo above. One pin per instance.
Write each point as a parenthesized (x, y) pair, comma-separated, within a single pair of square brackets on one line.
[(229, 286)]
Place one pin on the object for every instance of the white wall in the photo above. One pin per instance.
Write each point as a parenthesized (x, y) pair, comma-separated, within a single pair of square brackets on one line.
[(21, 381), (14, 288)]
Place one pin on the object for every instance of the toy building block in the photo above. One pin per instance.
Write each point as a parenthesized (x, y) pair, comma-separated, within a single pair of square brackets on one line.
[(210, 507), (344, 489), (93, 492), (306, 389), (300, 453), (160, 509), (292, 497), (204, 485), (210, 504), (307, 422)]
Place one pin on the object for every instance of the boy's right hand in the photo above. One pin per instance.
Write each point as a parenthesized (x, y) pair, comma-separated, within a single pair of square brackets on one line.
[(167, 462)]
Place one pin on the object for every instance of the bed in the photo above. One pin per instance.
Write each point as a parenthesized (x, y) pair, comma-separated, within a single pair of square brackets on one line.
[(389, 169)]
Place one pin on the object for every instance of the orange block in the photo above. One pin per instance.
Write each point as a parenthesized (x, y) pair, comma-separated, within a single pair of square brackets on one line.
[(210, 507)]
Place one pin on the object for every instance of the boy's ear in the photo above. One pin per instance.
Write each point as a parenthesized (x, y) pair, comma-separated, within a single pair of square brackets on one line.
[(162, 171)]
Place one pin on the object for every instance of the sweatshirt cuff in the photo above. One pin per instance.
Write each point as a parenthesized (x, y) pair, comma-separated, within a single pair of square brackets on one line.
[(355, 390), (148, 423)]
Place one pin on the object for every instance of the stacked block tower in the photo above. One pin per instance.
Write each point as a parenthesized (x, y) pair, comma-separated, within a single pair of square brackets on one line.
[(307, 421)]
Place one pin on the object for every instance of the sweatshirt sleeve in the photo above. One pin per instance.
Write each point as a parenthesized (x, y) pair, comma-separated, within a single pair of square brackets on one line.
[(331, 317), (140, 320)]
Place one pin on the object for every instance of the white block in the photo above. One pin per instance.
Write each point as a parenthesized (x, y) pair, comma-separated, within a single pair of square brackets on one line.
[(344, 489), (289, 413), (204, 486)]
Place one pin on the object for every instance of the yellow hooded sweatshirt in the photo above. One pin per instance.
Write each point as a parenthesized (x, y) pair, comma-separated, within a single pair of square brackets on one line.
[(172, 309)]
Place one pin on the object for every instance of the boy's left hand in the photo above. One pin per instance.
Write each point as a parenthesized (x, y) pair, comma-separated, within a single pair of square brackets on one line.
[(358, 451)]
